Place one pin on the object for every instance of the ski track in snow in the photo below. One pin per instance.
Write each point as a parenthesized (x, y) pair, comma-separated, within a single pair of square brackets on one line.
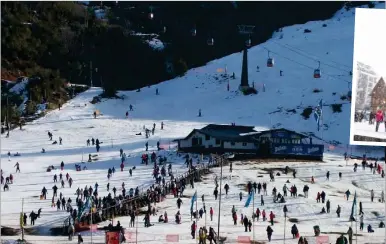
[(177, 106)]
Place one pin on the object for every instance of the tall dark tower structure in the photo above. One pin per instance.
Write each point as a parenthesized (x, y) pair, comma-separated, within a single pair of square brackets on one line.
[(244, 72), (245, 30)]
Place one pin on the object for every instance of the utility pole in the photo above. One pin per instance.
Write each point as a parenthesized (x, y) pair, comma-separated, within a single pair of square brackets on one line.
[(219, 202), (285, 220), (8, 124), (90, 73), (136, 228), (91, 223), (22, 219)]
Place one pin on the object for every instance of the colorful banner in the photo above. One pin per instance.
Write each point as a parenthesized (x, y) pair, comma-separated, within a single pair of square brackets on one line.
[(297, 149), (112, 237)]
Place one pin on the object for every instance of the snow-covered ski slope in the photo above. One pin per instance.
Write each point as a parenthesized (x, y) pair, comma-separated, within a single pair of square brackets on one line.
[(177, 106)]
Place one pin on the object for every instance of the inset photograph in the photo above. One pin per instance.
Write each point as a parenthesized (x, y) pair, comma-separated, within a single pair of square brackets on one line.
[(368, 108)]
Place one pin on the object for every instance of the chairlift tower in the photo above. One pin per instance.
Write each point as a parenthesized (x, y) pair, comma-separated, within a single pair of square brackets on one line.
[(245, 30)]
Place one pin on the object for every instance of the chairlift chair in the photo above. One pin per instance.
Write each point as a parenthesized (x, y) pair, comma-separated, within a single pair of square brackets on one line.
[(248, 42), (151, 15), (270, 61), (317, 72), (210, 42), (194, 32)]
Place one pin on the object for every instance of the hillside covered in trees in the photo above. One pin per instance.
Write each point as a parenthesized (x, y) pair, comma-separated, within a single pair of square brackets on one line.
[(59, 42)]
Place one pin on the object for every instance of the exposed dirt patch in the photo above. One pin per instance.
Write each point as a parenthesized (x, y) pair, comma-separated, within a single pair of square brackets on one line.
[(376, 214), (7, 231), (355, 183), (339, 233), (293, 220), (58, 231)]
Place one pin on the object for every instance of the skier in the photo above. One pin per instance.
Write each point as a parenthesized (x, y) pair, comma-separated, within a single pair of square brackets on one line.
[(211, 213), (88, 142), (294, 231), (131, 107), (44, 193), (271, 217), (245, 222), (193, 230), (199, 112), (17, 167), (80, 239), (60, 140), (146, 146), (162, 125), (179, 202), (338, 211), (378, 119), (226, 187), (347, 193), (55, 189), (372, 195), (62, 165), (350, 235), (71, 231), (328, 205), (269, 233)]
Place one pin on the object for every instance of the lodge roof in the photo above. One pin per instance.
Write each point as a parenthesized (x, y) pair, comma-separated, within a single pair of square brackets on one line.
[(236, 133)]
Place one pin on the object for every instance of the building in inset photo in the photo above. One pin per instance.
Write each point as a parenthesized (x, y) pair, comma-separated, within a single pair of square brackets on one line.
[(368, 109)]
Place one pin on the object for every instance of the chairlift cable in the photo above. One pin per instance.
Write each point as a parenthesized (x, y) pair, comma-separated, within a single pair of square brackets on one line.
[(311, 56), (333, 77)]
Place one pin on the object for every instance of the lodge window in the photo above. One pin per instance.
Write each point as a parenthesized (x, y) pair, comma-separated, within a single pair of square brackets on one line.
[(244, 144), (232, 143), (218, 142), (207, 138), (196, 141)]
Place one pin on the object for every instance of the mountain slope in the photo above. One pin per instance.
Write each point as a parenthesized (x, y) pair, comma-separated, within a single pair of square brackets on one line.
[(296, 53), (177, 106)]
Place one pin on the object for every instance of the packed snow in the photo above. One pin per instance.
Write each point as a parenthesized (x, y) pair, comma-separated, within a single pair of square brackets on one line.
[(177, 107)]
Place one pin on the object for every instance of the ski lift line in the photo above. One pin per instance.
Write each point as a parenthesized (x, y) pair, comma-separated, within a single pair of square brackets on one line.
[(308, 54), (304, 65), (329, 60), (313, 58)]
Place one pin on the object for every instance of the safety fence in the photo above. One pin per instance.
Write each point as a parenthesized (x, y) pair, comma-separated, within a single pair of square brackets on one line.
[(200, 169)]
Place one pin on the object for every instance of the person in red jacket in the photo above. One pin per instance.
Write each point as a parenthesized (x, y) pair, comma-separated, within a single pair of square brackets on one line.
[(271, 217), (234, 216), (122, 166), (378, 119), (193, 230), (257, 214), (211, 213)]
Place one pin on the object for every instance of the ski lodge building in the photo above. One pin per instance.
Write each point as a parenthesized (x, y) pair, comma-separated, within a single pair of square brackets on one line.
[(245, 140), (378, 96)]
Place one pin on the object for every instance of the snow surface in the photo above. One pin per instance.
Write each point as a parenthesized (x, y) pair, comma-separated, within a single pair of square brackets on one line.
[(365, 129), (177, 106)]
